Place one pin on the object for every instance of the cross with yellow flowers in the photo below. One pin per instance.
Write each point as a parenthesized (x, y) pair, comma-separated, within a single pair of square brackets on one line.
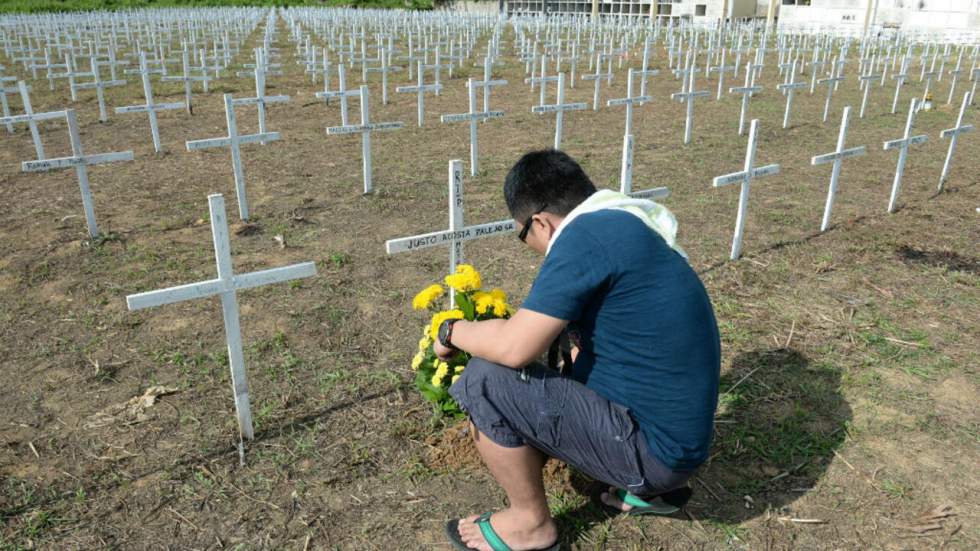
[(457, 232)]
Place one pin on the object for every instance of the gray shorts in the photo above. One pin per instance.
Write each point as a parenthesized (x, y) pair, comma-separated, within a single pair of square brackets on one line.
[(564, 419)]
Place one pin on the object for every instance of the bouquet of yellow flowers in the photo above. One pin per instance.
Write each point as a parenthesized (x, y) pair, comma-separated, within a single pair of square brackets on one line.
[(433, 376)]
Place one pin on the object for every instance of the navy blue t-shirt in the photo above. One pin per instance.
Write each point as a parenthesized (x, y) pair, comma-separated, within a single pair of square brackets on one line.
[(648, 336)]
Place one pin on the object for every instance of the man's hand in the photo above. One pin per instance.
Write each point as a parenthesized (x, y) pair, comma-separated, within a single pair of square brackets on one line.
[(443, 352)]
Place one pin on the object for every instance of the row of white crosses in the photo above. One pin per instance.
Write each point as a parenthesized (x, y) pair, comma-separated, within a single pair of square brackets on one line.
[(750, 171)]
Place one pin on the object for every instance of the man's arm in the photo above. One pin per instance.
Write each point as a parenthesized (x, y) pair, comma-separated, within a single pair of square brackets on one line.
[(513, 342)]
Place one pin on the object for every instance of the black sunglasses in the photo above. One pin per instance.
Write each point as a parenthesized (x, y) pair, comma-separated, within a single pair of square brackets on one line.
[(527, 224)]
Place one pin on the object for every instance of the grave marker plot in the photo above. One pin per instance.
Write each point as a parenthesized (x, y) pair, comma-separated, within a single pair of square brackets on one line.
[(953, 134), (597, 79), (837, 158), (744, 179), (150, 108), (80, 162), (457, 232), (559, 108), (234, 141), (225, 286), (903, 144), (473, 116), (365, 129)]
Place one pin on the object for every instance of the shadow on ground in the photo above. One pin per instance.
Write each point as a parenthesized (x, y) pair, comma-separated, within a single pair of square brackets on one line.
[(779, 421)]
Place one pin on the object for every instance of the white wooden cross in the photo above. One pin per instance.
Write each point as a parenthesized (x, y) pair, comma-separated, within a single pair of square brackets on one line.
[(71, 74), (488, 83), (900, 79), (744, 177), (473, 116), (187, 79), (836, 157), (953, 134), (31, 118), (789, 88), (365, 129), (225, 285), (261, 100), (559, 108), (99, 85), (149, 107), (975, 77), (867, 80), (419, 89), (542, 80), (902, 144), (689, 96), (457, 232), (384, 69), (721, 69), (831, 83), (931, 74), (630, 100), (341, 92), (234, 141), (597, 78), (80, 162), (956, 76), (747, 90)]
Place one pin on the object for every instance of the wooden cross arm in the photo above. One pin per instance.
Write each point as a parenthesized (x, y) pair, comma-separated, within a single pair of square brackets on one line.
[(14, 119), (263, 99), (414, 89), (212, 287), (958, 130), (654, 193), (489, 83), (831, 157), (626, 101), (552, 108), (744, 89), (68, 162), (905, 142), (103, 84), (447, 237), (484, 115), (355, 93), (153, 107), (361, 128), (792, 85), (741, 176), (681, 96)]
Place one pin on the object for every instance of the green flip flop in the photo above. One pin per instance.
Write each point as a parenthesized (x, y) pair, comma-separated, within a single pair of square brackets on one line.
[(663, 504), (489, 534)]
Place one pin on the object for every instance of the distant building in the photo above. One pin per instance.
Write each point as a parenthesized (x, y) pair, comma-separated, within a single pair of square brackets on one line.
[(937, 15)]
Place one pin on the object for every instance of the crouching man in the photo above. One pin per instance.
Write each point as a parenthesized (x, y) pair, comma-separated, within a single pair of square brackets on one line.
[(636, 410)]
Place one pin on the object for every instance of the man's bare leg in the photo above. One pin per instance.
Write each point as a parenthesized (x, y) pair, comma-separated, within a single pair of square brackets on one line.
[(527, 523)]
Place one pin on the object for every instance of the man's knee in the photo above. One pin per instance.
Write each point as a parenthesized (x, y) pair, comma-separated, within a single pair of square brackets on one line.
[(478, 370)]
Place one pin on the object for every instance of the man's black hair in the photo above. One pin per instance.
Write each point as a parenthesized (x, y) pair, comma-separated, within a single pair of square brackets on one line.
[(546, 177)]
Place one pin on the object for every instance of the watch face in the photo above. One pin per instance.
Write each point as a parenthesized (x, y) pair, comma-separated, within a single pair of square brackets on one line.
[(444, 333)]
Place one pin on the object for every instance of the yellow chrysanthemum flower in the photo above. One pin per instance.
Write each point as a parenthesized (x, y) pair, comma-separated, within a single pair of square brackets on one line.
[(498, 294), (501, 308), (427, 296), (455, 378), (459, 368), (483, 302), (417, 361), (465, 279), (440, 317), (442, 368), (436, 380), (424, 342)]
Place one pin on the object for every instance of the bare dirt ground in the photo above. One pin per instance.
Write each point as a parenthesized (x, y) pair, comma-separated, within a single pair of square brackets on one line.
[(848, 417)]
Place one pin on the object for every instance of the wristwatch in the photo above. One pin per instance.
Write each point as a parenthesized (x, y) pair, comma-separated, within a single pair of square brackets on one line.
[(446, 333)]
